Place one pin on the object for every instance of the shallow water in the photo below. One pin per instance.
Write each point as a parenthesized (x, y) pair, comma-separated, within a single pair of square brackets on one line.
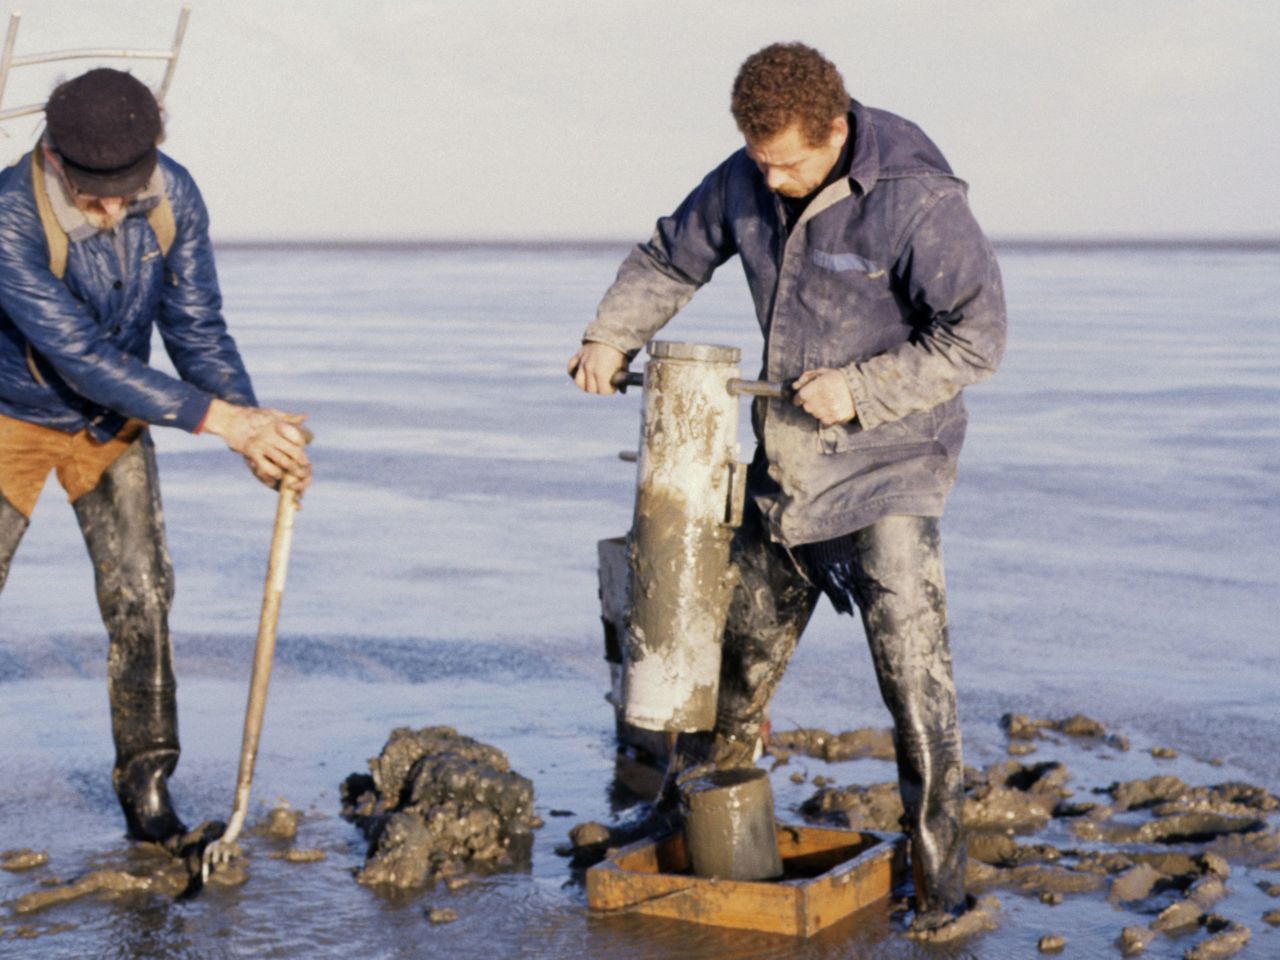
[(1110, 550)]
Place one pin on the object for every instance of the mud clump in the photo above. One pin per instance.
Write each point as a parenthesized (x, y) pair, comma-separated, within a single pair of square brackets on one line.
[(1135, 940), (301, 856), (1014, 796), (1052, 943), (281, 822), (589, 843), (982, 916), (110, 881), (1228, 939), (877, 807), (1136, 883), (1169, 795), (171, 870), (1003, 808), (435, 799), (833, 747), (16, 861), (1020, 727)]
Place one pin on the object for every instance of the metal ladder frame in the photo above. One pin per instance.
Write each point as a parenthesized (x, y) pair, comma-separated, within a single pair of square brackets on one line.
[(8, 61)]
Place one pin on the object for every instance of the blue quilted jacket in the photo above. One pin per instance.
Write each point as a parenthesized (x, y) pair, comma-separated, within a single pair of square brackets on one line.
[(90, 332)]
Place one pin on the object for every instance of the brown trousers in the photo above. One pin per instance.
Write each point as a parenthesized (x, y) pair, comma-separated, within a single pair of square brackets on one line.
[(29, 452)]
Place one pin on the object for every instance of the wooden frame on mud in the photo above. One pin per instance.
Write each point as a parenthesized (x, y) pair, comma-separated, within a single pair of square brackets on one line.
[(828, 874)]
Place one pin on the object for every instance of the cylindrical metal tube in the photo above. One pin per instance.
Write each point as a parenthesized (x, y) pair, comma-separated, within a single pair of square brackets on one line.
[(679, 543), (729, 827)]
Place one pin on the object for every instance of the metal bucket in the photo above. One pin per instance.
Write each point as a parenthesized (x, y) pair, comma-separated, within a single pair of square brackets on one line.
[(729, 827), (689, 492)]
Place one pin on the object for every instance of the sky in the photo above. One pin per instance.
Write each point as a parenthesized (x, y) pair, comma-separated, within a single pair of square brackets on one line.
[(588, 119)]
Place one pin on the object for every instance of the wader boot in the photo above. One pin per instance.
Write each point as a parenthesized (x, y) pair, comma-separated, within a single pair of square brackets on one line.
[(12, 526), (892, 572), (123, 528), (900, 590)]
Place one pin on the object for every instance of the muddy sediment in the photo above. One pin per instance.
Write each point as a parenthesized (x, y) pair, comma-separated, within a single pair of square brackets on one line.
[(435, 800), (1021, 728), (832, 747), (168, 871), (1158, 849), (16, 861), (310, 855), (281, 822)]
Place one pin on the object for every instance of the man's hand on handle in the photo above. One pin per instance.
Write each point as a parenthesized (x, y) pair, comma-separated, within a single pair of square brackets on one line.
[(824, 395), (272, 442), (594, 365)]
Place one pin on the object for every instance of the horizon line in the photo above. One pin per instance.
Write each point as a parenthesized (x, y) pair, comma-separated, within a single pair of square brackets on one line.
[(1048, 244)]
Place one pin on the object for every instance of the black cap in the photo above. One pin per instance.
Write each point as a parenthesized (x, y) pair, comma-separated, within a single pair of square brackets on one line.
[(104, 125)]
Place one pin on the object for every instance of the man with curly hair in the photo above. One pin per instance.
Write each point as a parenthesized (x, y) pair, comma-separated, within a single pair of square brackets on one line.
[(880, 299)]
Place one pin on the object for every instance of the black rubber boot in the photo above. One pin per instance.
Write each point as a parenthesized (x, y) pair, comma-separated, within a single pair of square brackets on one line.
[(12, 526), (146, 754), (123, 527), (901, 594)]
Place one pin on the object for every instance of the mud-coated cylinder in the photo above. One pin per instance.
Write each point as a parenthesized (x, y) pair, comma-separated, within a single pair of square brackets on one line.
[(688, 496), (729, 827)]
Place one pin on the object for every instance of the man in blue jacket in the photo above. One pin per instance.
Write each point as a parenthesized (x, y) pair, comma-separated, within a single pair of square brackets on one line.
[(102, 240), (880, 299)]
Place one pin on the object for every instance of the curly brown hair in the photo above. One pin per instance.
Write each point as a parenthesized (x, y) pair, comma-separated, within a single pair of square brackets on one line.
[(786, 83)]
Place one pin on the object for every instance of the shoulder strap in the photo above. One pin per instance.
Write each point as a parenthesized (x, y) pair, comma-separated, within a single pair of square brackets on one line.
[(163, 224), (54, 235)]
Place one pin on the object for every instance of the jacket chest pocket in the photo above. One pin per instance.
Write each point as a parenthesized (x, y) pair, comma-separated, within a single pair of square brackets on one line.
[(842, 290)]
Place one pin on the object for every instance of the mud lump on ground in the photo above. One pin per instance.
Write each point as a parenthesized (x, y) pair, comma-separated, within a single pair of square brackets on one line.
[(171, 870), (436, 803)]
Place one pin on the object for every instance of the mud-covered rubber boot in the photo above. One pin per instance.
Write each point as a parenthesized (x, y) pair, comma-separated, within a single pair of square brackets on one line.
[(934, 828), (901, 594), (141, 780), (123, 527), (12, 526), (771, 604)]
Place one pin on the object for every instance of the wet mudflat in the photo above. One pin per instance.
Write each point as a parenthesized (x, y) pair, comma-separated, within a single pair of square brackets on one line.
[(1109, 552)]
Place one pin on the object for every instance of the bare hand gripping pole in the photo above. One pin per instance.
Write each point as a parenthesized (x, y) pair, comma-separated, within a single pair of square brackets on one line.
[(226, 849)]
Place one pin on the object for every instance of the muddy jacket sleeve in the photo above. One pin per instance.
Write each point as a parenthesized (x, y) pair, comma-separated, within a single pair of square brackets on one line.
[(660, 276), (190, 321), (947, 272)]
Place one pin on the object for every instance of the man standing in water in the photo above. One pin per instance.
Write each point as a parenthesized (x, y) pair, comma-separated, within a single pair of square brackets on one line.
[(880, 299), (103, 238)]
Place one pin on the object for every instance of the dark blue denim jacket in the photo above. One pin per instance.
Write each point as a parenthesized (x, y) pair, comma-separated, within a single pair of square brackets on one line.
[(886, 277)]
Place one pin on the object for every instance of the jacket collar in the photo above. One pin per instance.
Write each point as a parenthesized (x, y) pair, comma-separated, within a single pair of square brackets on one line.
[(75, 224), (864, 166)]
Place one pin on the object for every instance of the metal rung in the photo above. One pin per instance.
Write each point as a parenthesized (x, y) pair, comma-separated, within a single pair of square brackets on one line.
[(8, 61)]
